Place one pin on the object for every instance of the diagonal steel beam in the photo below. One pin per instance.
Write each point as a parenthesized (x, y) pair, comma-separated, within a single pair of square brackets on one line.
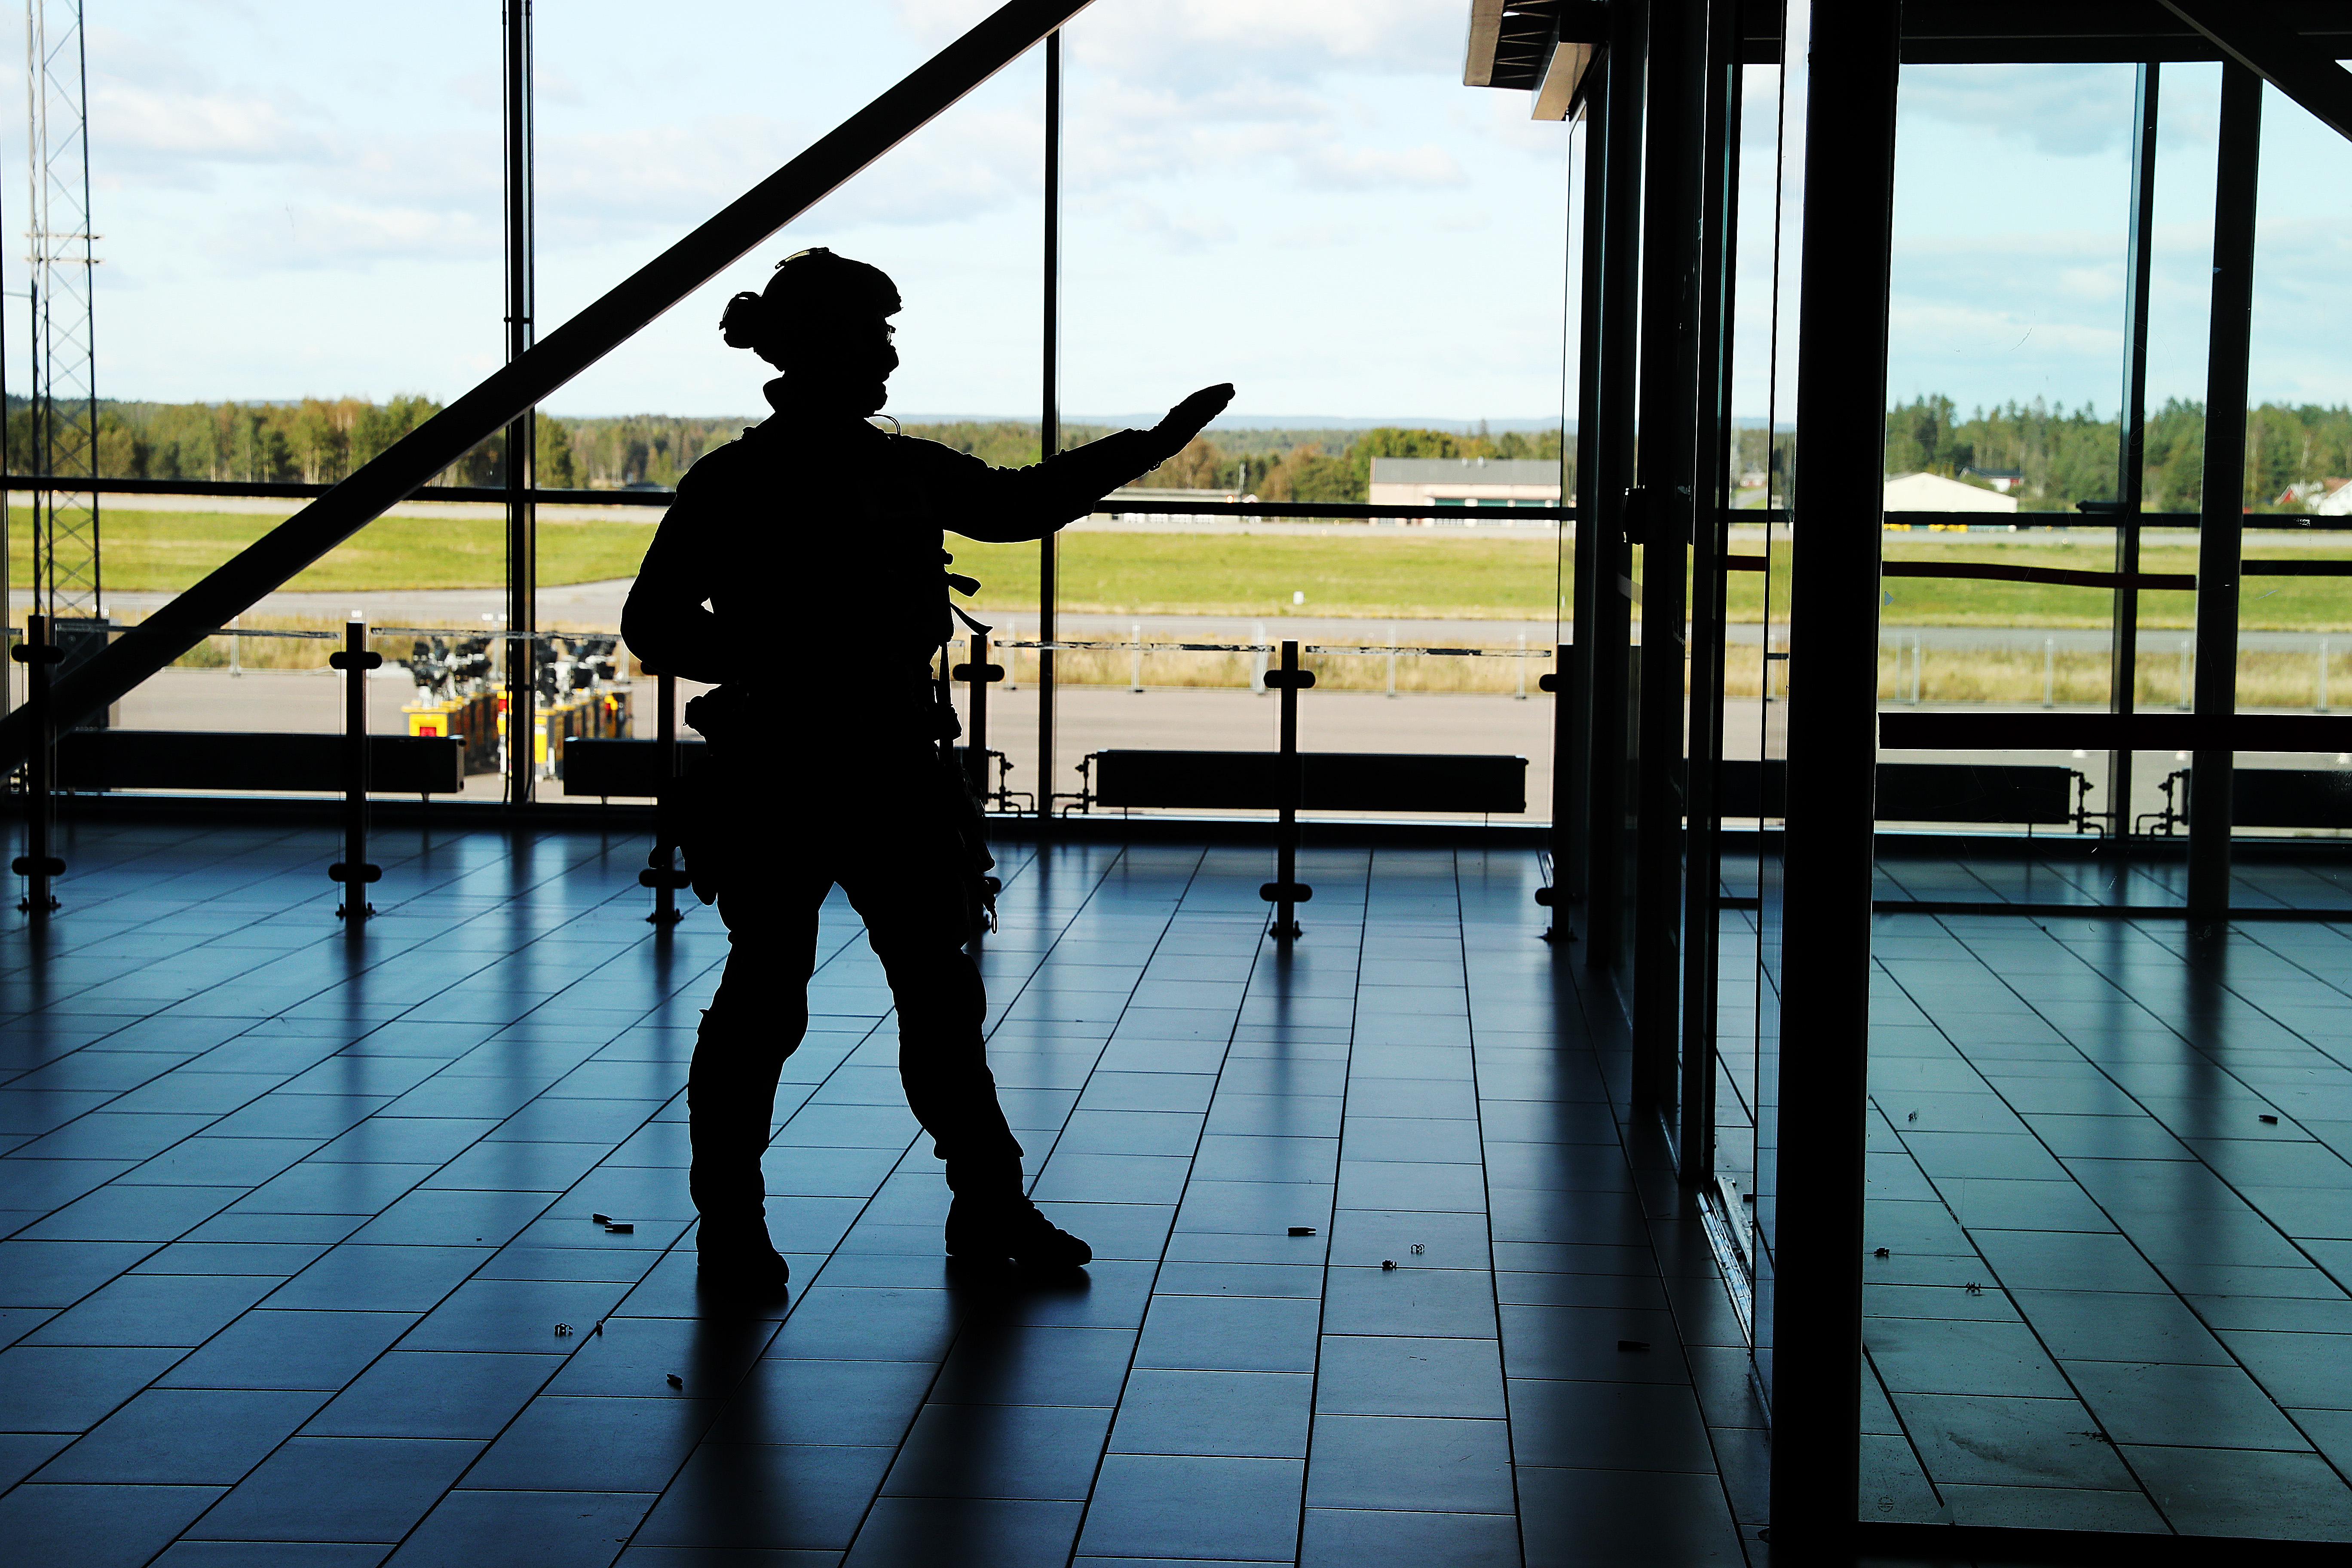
[(2284, 59), (270, 561)]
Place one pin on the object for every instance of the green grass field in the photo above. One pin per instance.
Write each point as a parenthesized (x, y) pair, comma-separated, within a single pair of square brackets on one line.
[(1381, 575)]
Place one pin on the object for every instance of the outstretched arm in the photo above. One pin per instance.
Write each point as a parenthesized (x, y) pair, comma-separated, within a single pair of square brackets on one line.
[(1006, 505)]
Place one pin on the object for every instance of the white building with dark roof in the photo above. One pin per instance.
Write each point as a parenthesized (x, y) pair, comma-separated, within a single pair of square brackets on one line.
[(1443, 482)]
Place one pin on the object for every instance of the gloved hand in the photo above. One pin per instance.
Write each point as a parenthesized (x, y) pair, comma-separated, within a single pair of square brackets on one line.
[(1185, 421)]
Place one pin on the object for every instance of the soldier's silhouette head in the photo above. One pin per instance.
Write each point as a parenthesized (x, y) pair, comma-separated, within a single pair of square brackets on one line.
[(824, 321)]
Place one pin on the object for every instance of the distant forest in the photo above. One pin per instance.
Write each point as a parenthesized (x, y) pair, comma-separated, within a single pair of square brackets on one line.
[(2064, 455), (320, 440)]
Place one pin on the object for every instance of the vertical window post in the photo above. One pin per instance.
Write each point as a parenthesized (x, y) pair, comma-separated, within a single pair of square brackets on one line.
[(1049, 421), (1835, 542), (523, 520), (2222, 529), (2131, 457)]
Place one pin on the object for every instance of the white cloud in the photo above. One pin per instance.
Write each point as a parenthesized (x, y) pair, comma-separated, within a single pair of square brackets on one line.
[(308, 235), (154, 124), (1178, 232), (1199, 42), (1331, 167), (2067, 110)]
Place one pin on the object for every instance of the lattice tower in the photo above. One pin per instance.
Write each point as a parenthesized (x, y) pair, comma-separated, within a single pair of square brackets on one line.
[(60, 256)]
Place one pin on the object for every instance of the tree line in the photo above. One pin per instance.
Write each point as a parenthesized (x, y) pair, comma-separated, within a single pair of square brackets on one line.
[(319, 440), (2064, 456)]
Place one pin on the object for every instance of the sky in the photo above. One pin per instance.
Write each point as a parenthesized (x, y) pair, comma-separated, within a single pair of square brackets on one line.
[(1301, 199)]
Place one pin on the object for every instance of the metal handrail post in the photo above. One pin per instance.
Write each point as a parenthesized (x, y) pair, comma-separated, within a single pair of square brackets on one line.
[(37, 865), (980, 675), (1561, 683), (661, 873), (353, 870), (1287, 890)]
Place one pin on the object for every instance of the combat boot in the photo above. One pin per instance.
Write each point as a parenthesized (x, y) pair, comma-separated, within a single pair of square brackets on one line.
[(738, 1259), (993, 1228)]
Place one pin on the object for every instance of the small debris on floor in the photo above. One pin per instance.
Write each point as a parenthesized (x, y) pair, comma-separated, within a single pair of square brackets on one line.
[(1634, 1345), (676, 1381), (1389, 1263), (1302, 1230), (1973, 1288), (599, 1329), (1912, 1117), (563, 1330), (2266, 1120), (621, 1228), (601, 1218), (1416, 1249), (1880, 1252)]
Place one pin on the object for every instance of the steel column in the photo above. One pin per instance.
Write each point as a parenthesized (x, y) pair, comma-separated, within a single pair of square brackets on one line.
[(1608, 664), (1675, 405), (1670, 410), (522, 436), (1049, 421), (2131, 457), (1832, 745), (1572, 819), (1702, 863), (2222, 526)]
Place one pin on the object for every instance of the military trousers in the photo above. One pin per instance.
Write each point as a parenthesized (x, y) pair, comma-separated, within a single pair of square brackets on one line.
[(892, 845)]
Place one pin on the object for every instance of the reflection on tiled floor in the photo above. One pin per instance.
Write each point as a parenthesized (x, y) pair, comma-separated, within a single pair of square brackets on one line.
[(299, 1265), (2061, 870), (2109, 1179), (2157, 878)]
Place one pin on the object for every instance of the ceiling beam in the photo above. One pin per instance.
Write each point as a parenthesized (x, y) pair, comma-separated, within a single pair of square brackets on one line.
[(1485, 34), (2288, 61)]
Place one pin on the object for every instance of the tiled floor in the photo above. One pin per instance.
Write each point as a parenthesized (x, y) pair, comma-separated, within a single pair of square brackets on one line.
[(2109, 1175), (299, 1265), (2112, 1171), (2155, 878), (2269, 877)]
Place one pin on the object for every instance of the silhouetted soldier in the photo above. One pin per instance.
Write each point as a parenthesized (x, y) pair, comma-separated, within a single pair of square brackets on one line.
[(816, 539)]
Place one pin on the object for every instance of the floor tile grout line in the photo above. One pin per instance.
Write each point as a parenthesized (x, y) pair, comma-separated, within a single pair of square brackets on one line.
[(1110, 867), (319, 944), (1961, 939), (2072, 1388), (1323, 1296), (1627, 1129), (2221, 1066), (199, 1224), (1028, 863), (1151, 1294), (161, 848), (565, 1358), (1486, 1190)]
